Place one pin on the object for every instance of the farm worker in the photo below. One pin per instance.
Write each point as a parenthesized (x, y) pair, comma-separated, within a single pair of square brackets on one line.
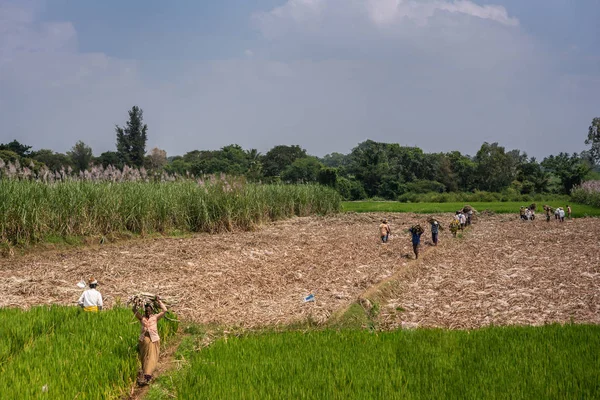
[(557, 213), (462, 219), (416, 240), (91, 299), (562, 214), (469, 217), (548, 214), (522, 212), (435, 229), (569, 211), (454, 226), (384, 230), (149, 341)]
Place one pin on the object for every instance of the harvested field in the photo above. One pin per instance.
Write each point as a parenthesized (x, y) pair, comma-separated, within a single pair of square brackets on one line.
[(246, 278), (503, 272)]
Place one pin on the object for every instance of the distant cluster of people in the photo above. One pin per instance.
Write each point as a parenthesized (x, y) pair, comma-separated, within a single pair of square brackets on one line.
[(462, 219), (527, 213), (559, 213)]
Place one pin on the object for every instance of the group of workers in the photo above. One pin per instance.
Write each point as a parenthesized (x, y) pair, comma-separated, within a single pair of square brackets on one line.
[(148, 341), (559, 213), (461, 220)]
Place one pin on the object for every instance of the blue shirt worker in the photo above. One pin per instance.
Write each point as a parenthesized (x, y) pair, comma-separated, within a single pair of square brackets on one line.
[(416, 231)]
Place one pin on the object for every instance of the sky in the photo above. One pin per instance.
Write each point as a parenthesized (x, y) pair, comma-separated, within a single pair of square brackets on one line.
[(442, 75)]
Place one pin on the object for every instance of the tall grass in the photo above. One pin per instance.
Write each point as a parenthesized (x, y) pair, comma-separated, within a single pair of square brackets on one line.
[(65, 353), (31, 210), (558, 362)]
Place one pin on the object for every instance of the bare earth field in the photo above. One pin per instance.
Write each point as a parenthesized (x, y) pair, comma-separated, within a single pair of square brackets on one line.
[(503, 271)]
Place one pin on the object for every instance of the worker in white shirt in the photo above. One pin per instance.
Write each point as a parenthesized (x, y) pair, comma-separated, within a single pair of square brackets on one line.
[(91, 299)]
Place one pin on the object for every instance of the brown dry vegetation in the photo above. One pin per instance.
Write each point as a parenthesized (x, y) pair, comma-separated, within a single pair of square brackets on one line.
[(502, 272)]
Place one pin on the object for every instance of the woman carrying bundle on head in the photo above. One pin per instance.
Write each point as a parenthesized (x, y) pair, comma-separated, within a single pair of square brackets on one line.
[(149, 341)]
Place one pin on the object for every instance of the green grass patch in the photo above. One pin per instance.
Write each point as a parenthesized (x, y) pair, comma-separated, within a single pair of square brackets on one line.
[(65, 353), (498, 362), (579, 210)]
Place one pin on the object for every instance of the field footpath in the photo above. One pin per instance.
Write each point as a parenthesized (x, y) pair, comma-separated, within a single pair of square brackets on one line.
[(166, 364)]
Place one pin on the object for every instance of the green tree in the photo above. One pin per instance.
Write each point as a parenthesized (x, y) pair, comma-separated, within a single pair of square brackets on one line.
[(255, 166), (369, 165), (533, 177), (328, 176), (81, 155), (9, 156), (464, 170), (593, 139), (110, 158), (569, 169), (20, 149), (279, 157), (303, 170), (131, 140), (54, 161), (495, 168)]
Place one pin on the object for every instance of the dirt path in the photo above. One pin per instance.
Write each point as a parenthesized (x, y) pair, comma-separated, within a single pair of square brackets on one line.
[(166, 364), (248, 278), (505, 272)]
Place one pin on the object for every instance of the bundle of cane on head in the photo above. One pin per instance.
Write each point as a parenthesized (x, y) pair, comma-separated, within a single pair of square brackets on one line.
[(548, 208), (467, 208), (140, 300), (417, 228), (532, 206)]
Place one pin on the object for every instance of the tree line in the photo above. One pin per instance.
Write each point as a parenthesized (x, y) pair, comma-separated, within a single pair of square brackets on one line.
[(371, 169)]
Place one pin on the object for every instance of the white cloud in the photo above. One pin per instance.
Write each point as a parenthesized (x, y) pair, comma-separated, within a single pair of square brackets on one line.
[(313, 14), (392, 11)]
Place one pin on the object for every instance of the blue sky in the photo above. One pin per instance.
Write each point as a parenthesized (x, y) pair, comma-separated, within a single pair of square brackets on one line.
[(325, 74)]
